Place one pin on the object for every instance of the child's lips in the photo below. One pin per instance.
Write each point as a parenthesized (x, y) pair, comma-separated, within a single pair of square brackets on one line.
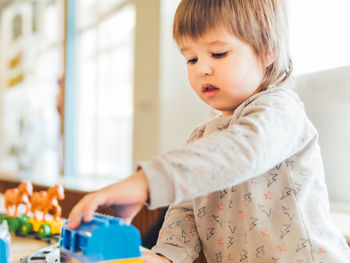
[(209, 90)]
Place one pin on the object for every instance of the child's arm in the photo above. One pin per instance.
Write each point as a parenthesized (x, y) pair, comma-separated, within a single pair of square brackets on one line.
[(178, 238), (264, 132), (126, 197)]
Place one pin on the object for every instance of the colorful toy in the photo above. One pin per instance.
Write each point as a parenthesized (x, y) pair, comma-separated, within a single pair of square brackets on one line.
[(105, 238), (46, 201), (43, 201), (16, 196)]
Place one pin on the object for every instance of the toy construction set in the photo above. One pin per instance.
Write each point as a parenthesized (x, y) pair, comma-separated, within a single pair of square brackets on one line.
[(103, 239)]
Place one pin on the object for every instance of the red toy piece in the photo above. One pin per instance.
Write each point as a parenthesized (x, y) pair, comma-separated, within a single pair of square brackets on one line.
[(19, 195), (46, 201)]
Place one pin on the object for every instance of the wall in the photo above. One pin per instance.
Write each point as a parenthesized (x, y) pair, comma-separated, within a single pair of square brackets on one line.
[(146, 88), (180, 109)]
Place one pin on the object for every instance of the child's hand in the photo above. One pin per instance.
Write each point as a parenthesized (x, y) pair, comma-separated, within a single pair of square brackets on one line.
[(126, 198), (150, 257)]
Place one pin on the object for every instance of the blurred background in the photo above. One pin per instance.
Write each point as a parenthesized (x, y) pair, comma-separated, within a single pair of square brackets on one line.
[(89, 88)]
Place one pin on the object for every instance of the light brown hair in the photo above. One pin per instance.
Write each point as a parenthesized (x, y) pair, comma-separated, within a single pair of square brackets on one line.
[(263, 24)]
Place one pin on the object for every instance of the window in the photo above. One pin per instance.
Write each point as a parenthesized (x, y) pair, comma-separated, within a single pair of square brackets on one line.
[(31, 39), (320, 34), (104, 97)]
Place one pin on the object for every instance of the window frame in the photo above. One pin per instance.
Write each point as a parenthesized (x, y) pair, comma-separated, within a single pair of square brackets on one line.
[(145, 139)]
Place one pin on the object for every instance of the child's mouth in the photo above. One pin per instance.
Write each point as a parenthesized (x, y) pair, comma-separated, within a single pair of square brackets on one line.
[(210, 91)]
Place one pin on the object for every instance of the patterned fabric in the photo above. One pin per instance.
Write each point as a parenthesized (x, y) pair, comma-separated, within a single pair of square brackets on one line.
[(247, 188)]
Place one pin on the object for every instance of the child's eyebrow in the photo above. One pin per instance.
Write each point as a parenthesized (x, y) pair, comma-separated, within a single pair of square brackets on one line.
[(183, 49), (210, 43), (218, 42)]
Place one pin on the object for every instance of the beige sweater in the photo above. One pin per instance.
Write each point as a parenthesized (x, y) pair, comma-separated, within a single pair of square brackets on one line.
[(247, 188)]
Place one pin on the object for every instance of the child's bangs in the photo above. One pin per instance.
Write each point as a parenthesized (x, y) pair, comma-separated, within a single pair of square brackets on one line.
[(193, 18)]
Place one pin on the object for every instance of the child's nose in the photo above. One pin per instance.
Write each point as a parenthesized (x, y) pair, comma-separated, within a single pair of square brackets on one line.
[(204, 69)]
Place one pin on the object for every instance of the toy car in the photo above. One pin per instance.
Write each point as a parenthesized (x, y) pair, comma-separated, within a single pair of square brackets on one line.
[(41, 202), (25, 226)]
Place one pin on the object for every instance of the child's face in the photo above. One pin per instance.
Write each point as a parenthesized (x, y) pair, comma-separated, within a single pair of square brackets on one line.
[(223, 70)]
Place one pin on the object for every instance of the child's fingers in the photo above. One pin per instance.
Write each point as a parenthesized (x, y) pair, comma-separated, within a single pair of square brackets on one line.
[(88, 215), (83, 210), (73, 222), (74, 218)]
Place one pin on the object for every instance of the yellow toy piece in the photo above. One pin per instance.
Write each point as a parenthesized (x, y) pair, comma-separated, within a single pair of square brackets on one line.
[(45, 228)]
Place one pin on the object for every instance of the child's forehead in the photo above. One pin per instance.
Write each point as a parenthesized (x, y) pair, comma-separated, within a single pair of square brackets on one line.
[(212, 37), (207, 34)]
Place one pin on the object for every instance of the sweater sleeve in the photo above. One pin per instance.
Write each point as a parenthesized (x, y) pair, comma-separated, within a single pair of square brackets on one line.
[(178, 239), (266, 131)]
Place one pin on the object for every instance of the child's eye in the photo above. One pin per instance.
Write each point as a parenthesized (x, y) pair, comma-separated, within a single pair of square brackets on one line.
[(219, 55), (192, 60)]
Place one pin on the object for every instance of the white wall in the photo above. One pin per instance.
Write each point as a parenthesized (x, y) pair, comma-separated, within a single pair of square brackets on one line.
[(319, 34), (180, 109), (326, 96), (146, 81)]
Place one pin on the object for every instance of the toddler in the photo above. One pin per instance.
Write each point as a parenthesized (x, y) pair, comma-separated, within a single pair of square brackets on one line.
[(249, 185)]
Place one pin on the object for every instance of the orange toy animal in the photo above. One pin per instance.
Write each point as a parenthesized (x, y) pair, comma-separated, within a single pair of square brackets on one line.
[(46, 201), (19, 195)]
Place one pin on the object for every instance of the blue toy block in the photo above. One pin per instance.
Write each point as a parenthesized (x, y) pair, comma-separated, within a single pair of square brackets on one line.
[(5, 241), (103, 238)]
